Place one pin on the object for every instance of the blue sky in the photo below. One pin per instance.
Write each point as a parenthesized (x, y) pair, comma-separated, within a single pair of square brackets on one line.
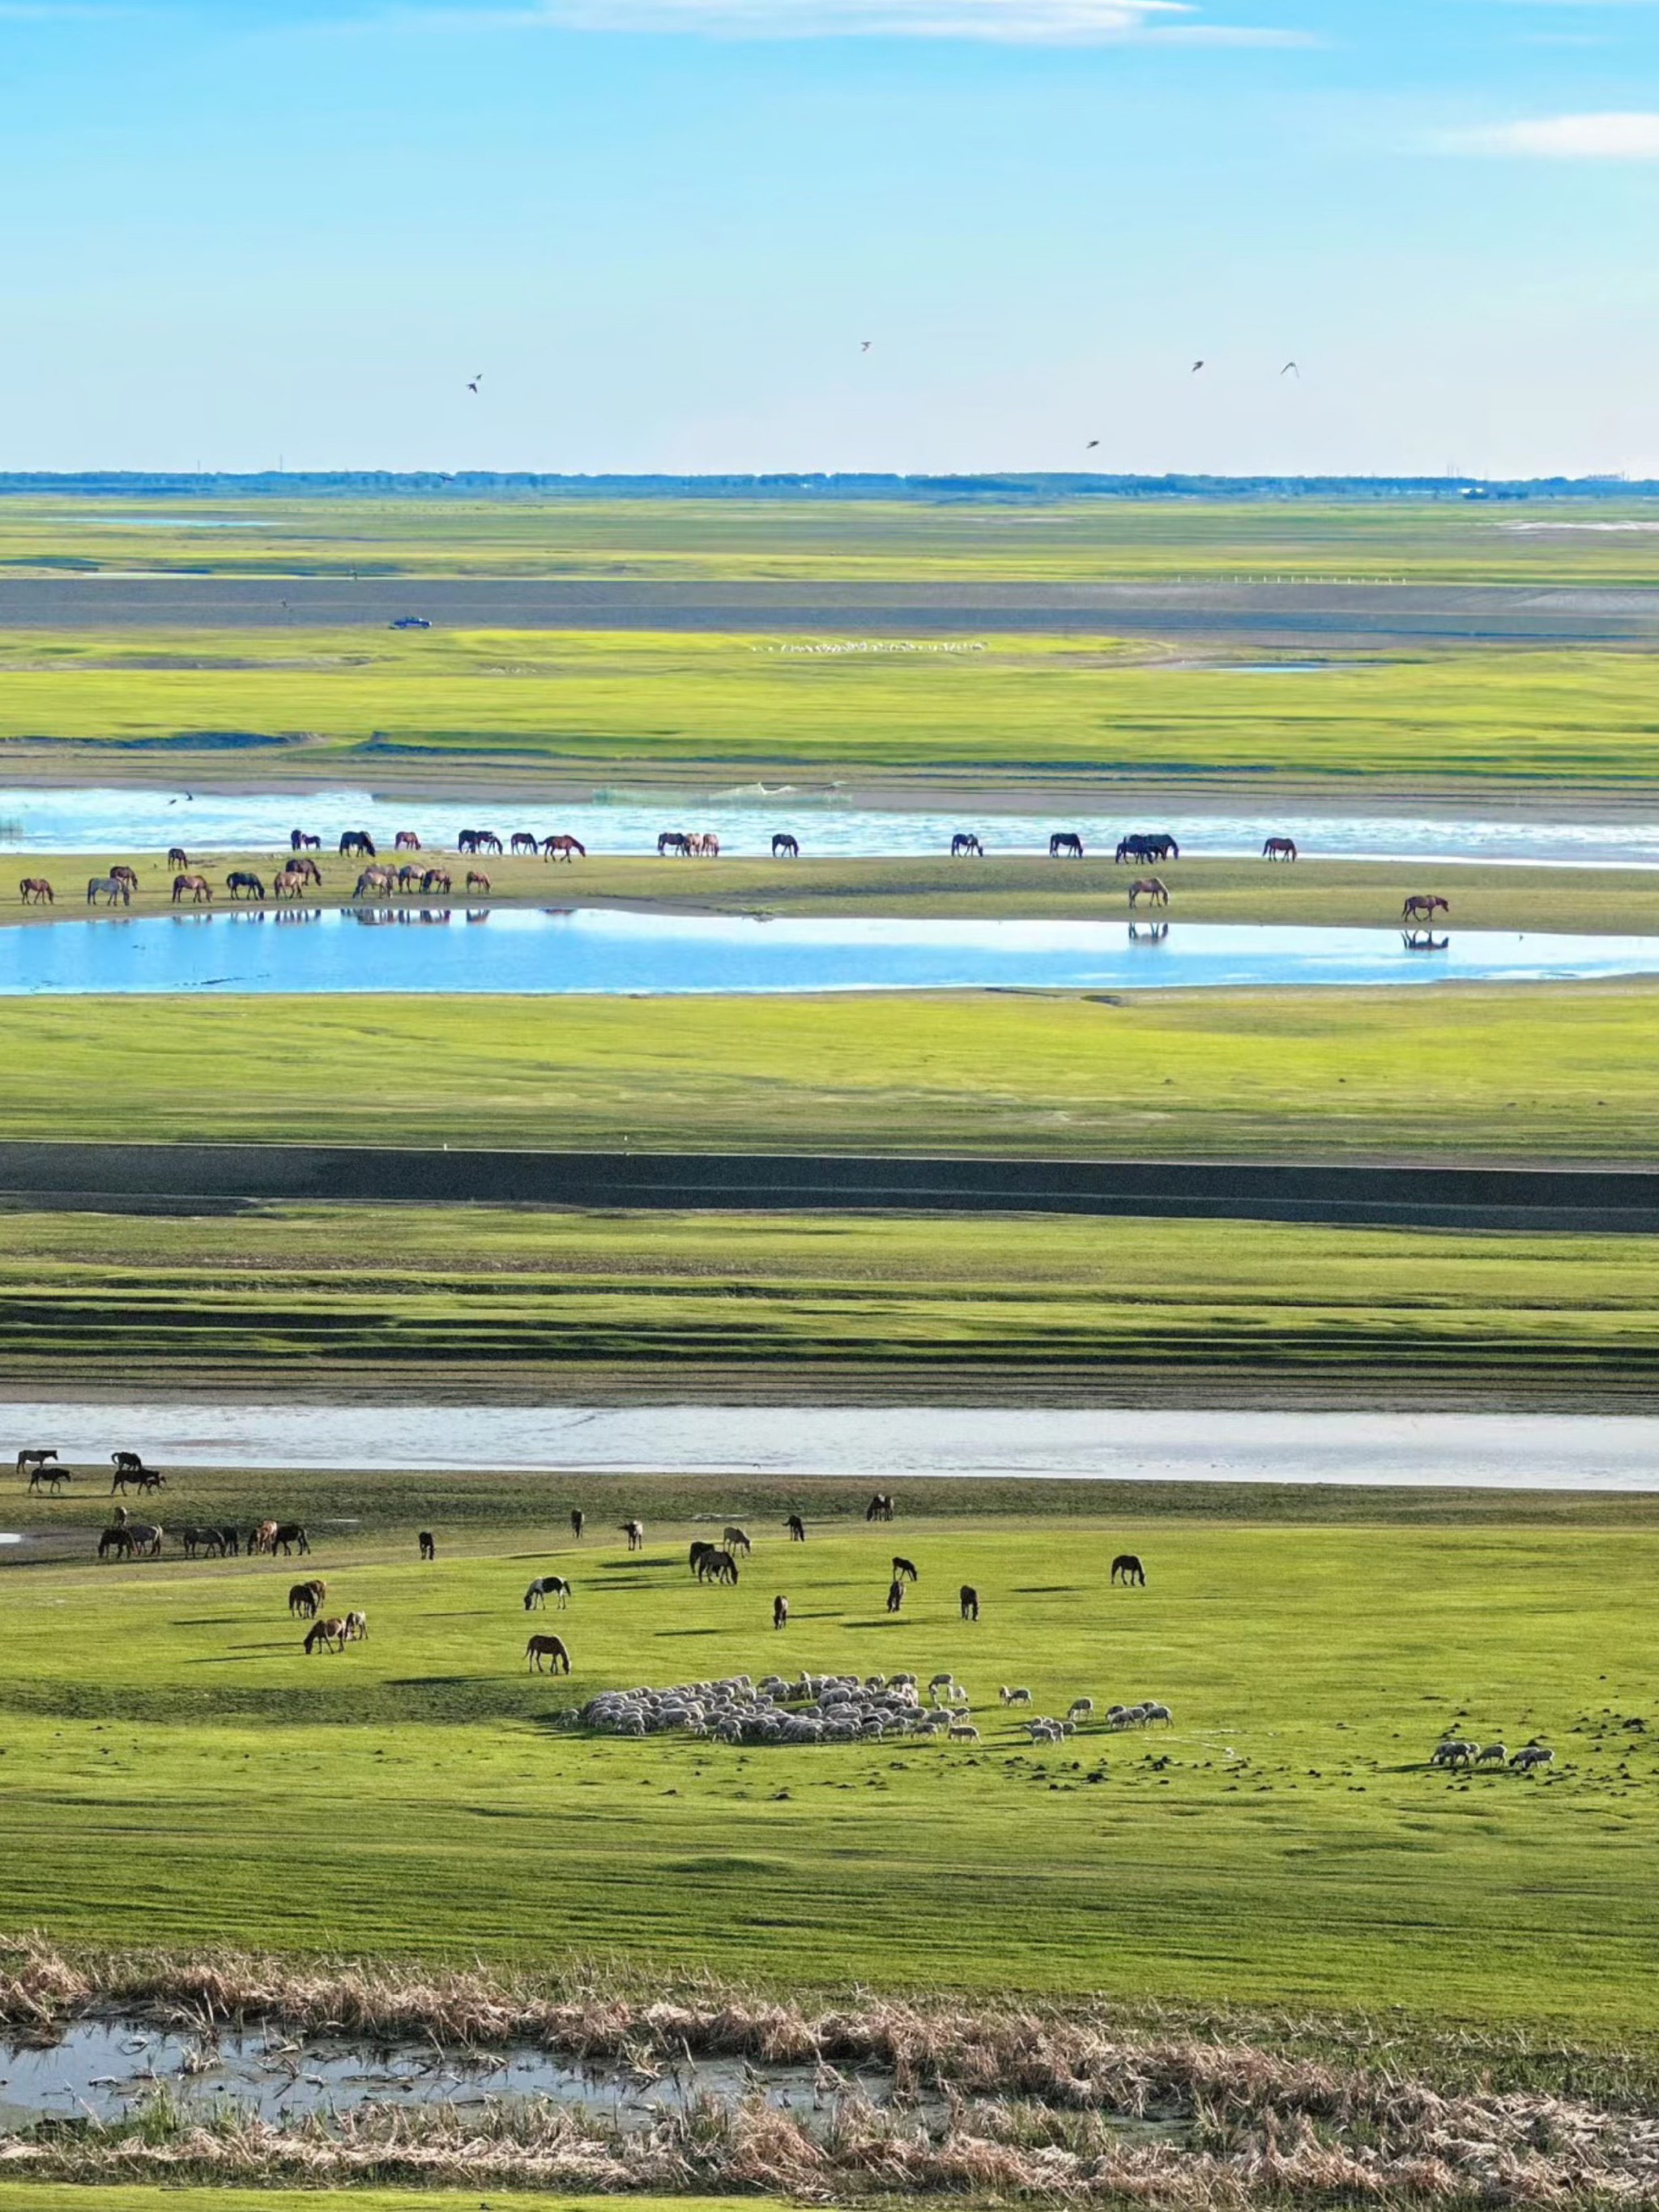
[(663, 229)]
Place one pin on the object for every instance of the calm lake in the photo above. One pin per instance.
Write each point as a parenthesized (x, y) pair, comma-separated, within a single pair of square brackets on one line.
[(558, 949)]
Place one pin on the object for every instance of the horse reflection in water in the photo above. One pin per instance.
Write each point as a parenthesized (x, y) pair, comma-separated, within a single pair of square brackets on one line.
[(1422, 940), (377, 917), (477, 914), (292, 913), (1149, 933)]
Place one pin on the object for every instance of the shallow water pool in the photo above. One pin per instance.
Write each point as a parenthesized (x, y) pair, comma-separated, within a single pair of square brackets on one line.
[(576, 950)]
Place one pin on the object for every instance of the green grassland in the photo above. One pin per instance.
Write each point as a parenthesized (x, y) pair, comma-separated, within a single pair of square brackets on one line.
[(325, 1295), (602, 704), (1076, 540), (1350, 894), (1513, 1073), (173, 1767)]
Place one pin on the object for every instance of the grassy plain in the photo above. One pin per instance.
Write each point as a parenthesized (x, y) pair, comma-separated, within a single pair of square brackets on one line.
[(322, 1296), (138, 2197), (1350, 894), (1513, 1074), (173, 1764), (813, 540), (607, 704)]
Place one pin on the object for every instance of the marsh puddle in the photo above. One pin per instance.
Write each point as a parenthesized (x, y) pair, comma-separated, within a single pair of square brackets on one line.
[(590, 951), (104, 2069)]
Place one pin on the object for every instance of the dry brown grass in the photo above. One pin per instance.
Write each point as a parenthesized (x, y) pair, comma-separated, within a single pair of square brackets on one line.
[(1060, 2104)]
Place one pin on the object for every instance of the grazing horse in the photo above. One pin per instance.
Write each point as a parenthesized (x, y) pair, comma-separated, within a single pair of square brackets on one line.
[(563, 847), (522, 840), (306, 1599), (244, 879), (357, 1628), (780, 1613), (408, 876), (541, 1647), (673, 840), (735, 1539), (48, 1475), (880, 1507), (358, 842), (35, 1455), (1065, 845), (475, 882), (635, 1532), (1422, 906), (200, 889), (300, 841), (544, 1587), (36, 891), (717, 1567), (109, 889), (968, 1598), (478, 841), (904, 1570), (895, 1596), (325, 1635), (211, 1540), (578, 1523), (1126, 1568), (1160, 845), (289, 885), (703, 845), (263, 1538), (177, 857), (964, 846), (1152, 888), (797, 1528), (786, 847), (306, 870), (428, 1544), (116, 1540), (125, 875), (372, 880), (1280, 849), (288, 1536), (129, 1468), (143, 1536), (406, 842), (700, 1551), (435, 879)]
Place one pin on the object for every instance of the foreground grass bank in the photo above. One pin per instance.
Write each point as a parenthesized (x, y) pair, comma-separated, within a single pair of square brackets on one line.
[(1513, 1074), (601, 704), (1284, 1842), (458, 1298)]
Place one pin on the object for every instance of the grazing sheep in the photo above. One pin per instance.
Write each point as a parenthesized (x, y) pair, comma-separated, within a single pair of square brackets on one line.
[(1150, 1713), (1492, 1755), (1531, 1755), (1016, 1697), (1456, 1752), (964, 1732), (1080, 1709)]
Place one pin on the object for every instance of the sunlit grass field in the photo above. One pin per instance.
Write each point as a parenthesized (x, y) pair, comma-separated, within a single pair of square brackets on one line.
[(597, 704), (1514, 1072), (175, 1769), (1075, 540), (440, 1296)]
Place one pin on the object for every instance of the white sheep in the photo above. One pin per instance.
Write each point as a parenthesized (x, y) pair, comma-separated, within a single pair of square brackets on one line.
[(1016, 1697), (1080, 1709)]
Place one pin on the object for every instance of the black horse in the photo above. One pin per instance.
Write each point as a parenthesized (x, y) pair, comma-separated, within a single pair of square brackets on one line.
[(1065, 845), (358, 842), (1161, 846), (964, 846), (785, 848)]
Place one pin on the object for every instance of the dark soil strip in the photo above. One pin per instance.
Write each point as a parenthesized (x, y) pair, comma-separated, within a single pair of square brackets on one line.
[(1591, 1199)]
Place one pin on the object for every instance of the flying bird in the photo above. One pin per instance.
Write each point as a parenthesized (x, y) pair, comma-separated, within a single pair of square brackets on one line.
[(1197, 365), (1092, 443), (1291, 369), (475, 382), (865, 344)]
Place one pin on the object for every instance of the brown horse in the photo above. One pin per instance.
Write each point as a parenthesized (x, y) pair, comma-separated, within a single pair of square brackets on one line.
[(1152, 888), (289, 885), (1422, 906), (541, 1647), (288, 1536), (406, 842), (1127, 1569), (200, 889), (298, 842), (703, 845), (306, 868), (780, 1613), (125, 875), (561, 848), (1280, 849), (475, 882), (523, 841), (36, 891), (306, 1599), (264, 1539), (880, 1507), (435, 879), (325, 1635)]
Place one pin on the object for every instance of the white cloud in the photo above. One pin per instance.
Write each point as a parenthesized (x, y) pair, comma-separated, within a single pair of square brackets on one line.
[(1633, 136), (1009, 22)]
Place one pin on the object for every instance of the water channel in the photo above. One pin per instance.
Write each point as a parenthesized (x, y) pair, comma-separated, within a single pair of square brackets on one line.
[(565, 950)]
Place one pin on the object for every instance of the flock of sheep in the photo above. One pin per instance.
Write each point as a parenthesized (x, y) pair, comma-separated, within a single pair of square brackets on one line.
[(1457, 1751), (824, 1709)]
